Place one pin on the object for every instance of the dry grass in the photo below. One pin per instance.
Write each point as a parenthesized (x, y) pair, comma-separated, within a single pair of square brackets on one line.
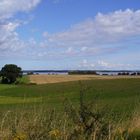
[(44, 79), (135, 122), (83, 123)]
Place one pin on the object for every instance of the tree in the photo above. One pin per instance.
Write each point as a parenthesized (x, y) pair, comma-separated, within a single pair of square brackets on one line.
[(10, 73)]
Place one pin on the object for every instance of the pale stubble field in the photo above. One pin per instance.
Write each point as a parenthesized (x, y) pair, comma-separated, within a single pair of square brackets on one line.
[(44, 79)]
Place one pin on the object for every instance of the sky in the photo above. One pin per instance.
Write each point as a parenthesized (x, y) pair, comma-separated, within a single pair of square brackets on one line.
[(70, 34)]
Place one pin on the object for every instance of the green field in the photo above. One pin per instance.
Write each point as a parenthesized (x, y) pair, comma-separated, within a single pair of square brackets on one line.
[(118, 96), (120, 93)]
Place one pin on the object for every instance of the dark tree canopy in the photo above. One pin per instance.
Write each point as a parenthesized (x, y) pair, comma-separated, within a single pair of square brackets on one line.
[(10, 73)]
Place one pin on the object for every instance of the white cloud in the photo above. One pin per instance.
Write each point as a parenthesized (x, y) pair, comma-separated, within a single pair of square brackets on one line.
[(10, 41), (69, 50), (96, 36), (105, 65), (86, 65), (101, 30), (110, 65), (84, 49), (10, 7)]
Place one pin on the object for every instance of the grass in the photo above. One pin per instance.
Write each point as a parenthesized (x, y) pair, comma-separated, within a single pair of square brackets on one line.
[(24, 80), (118, 96), (120, 93)]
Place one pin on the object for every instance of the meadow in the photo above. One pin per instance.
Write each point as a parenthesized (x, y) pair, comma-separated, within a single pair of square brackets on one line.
[(47, 111)]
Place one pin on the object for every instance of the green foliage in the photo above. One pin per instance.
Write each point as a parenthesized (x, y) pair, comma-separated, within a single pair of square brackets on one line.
[(89, 121), (23, 81), (10, 73)]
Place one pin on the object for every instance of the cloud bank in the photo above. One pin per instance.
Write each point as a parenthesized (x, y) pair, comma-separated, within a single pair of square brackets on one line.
[(104, 34), (10, 7), (9, 38), (103, 29)]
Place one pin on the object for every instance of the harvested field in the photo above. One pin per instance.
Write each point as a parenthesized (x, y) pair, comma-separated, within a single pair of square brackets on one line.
[(44, 79)]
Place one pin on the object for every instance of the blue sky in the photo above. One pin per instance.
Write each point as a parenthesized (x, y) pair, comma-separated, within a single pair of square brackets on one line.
[(70, 34)]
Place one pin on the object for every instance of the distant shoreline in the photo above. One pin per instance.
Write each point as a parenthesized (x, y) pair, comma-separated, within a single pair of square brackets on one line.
[(97, 72)]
